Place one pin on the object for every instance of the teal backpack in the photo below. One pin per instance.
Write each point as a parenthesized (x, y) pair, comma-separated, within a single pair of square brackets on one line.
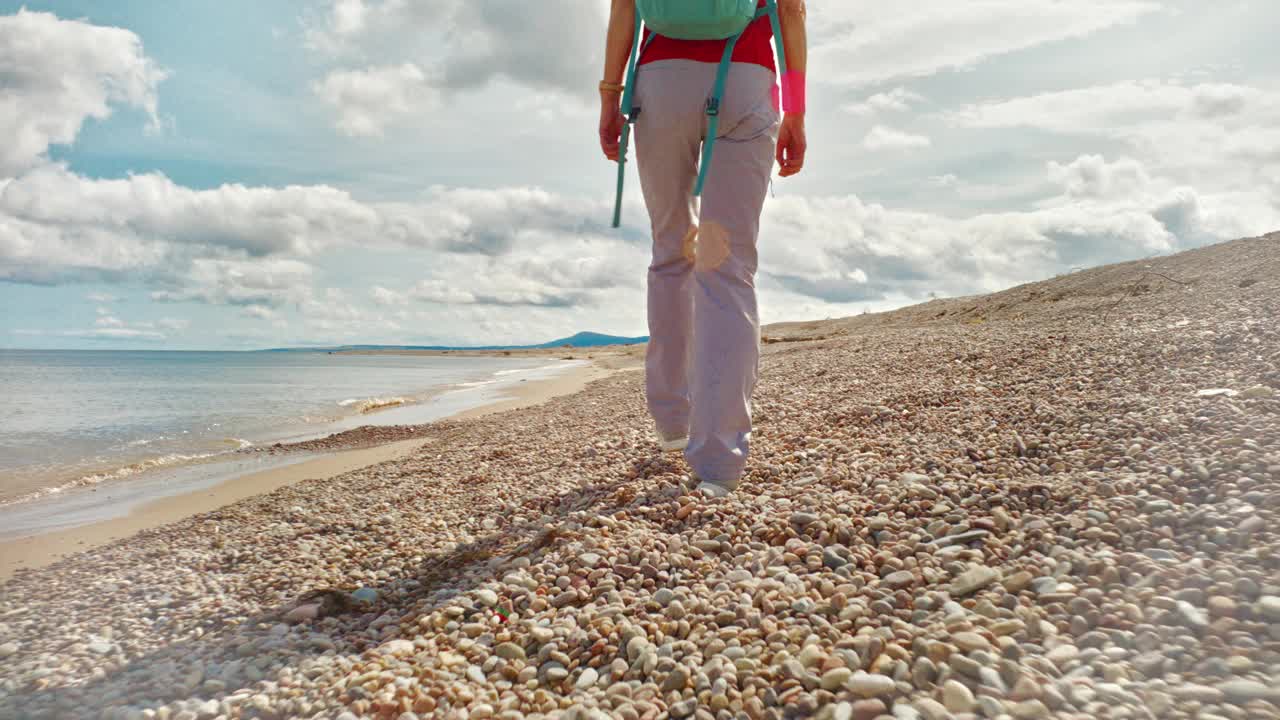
[(692, 20)]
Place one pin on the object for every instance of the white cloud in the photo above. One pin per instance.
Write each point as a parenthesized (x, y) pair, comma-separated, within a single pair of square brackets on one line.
[(117, 333), (368, 100), (1093, 176), (1117, 109), (107, 326), (348, 16), (857, 42), (57, 74), (253, 246), (895, 100), (576, 274), (386, 297), (412, 52), (885, 138), (258, 312), (841, 250), (1223, 135), (263, 281), (174, 324), (254, 220)]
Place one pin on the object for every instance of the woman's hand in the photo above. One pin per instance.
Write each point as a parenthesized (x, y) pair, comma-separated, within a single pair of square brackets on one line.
[(791, 144), (611, 122)]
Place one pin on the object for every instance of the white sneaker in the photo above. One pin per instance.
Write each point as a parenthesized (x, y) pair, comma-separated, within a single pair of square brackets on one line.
[(715, 490), (671, 444)]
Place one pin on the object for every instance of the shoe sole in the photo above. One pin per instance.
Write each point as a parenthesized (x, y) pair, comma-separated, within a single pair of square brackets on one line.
[(715, 490), (673, 445)]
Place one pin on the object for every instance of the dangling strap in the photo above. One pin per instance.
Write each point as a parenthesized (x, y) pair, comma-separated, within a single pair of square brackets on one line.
[(771, 9), (713, 113), (628, 111)]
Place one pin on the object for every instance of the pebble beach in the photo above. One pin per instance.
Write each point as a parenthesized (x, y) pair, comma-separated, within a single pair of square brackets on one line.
[(1057, 501)]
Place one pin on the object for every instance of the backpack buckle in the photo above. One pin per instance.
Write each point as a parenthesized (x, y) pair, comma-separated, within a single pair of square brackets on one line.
[(713, 106)]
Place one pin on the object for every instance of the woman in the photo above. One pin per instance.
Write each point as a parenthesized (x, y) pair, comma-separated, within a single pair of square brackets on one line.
[(704, 333)]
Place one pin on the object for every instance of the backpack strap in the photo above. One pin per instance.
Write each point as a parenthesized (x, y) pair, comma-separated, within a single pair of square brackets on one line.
[(713, 104), (713, 113), (771, 9), (628, 109)]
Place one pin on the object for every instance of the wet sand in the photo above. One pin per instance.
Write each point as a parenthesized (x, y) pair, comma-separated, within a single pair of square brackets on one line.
[(344, 452)]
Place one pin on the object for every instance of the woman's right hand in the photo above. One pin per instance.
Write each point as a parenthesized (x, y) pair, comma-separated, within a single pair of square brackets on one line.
[(611, 122)]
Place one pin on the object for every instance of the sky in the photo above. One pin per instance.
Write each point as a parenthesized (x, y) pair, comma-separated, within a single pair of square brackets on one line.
[(238, 175)]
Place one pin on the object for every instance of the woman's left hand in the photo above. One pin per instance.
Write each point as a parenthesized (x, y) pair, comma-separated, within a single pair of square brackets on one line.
[(611, 122), (791, 144)]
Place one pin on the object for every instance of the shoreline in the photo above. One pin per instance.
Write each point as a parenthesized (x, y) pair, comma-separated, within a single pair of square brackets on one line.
[(333, 455)]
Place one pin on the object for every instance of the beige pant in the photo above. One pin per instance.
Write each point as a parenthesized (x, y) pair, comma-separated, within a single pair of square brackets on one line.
[(704, 331)]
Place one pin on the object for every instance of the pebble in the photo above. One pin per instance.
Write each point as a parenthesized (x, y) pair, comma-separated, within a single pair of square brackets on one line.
[(676, 680), (303, 613), (1220, 606), (9, 648), (1030, 710), (973, 580), (835, 678), (870, 685), (554, 671), (868, 709), (1192, 616), (1197, 692), (1240, 692), (1062, 654), (931, 709), (970, 641), (832, 559), (398, 646), (509, 651), (957, 698), (803, 520), (900, 579), (587, 679), (1268, 607), (684, 708), (1018, 581)]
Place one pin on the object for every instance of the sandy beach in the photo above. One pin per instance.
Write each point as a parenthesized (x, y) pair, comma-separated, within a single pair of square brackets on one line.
[(347, 451), (1057, 501)]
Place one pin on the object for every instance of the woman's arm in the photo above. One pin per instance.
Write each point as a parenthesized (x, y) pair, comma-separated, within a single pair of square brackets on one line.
[(791, 140), (617, 48)]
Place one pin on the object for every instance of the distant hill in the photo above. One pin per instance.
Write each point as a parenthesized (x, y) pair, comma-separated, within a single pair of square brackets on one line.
[(578, 340), (591, 339)]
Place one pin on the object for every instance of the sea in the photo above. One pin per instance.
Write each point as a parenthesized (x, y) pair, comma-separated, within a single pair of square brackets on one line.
[(86, 435)]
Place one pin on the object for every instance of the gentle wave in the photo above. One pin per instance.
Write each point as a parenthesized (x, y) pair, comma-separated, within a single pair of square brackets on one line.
[(119, 473), (368, 405), (518, 371)]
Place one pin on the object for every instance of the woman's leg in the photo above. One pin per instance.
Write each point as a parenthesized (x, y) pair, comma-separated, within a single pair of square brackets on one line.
[(726, 326), (668, 133)]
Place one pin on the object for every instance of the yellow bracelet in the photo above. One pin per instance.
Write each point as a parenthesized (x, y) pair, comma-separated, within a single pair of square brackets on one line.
[(615, 87)]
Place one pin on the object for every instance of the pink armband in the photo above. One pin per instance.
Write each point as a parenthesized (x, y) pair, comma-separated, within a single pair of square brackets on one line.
[(792, 91)]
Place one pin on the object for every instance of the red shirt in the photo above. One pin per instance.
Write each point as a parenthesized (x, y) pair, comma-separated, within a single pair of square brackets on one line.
[(754, 46)]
